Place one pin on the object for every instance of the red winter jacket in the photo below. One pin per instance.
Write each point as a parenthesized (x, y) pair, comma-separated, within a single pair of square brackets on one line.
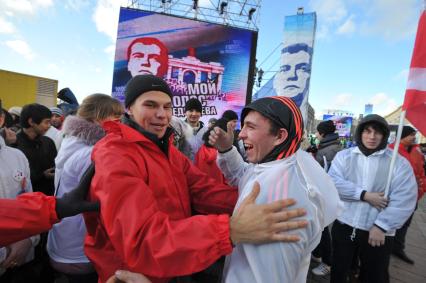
[(205, 160), (28, 215), (145, 224), (416, 159)]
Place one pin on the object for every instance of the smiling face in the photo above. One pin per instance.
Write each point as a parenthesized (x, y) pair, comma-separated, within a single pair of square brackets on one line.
[(152, 111), (41, 128), (257, 137), (193, 116)]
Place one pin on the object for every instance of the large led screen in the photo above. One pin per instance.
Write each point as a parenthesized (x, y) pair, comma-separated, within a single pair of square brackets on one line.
[(207, 61)]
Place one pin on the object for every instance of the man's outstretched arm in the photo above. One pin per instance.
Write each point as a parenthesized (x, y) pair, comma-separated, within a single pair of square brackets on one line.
[(34, 213)]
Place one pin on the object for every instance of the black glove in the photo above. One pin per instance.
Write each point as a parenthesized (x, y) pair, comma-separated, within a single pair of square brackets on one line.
[(75, 202)]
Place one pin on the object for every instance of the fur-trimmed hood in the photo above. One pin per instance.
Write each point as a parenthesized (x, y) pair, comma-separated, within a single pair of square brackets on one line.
[(79, 138), (89, 132)]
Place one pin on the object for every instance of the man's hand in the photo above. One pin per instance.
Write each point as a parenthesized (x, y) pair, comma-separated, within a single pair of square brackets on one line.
[(17, 254), (376, 237), (220, 139), (376, 199), (49, 173), (254, 223), (127, 277), (75, 202)]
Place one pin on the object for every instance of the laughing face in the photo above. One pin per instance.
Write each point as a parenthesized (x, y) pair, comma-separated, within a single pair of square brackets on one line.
[(257, 138)]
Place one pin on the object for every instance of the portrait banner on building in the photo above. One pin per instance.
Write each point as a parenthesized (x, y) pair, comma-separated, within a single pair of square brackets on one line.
[(207, 61), (292, 78), (343, 124)]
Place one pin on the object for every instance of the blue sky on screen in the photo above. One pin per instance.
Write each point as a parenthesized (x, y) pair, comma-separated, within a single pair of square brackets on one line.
[(362, 50)]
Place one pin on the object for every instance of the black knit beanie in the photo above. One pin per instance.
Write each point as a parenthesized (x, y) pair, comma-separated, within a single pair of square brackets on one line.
[(138, 85), (326, 127), (230, 115), (193, 104), (406, 131)]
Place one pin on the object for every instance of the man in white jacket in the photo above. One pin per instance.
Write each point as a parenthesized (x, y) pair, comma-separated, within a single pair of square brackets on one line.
[(369, 218), (15, 180), (272, 132)]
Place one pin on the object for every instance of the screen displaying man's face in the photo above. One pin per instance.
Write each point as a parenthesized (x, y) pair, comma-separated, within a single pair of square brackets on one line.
[(294, 74), (144, 59)]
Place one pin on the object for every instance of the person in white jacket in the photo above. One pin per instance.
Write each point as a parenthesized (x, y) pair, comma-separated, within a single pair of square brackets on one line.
[(15, 180), (66, 239), (272, 132), (369, 218)]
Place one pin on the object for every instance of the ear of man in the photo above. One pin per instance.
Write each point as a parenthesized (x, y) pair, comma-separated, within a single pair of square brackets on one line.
[(281, 137)]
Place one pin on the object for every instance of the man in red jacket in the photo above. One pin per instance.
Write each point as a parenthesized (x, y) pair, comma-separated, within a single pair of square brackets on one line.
[(147, 190), (412, 153)]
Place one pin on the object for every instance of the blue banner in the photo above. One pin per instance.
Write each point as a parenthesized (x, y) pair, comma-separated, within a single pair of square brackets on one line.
[(292, 79)]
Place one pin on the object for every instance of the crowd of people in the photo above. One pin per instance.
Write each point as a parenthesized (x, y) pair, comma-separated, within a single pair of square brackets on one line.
[(132, 193)]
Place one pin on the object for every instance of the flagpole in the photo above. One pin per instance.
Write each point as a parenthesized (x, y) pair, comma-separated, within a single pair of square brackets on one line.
[(395, 152)]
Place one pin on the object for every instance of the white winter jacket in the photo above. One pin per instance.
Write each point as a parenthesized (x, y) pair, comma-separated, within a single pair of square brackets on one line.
[(66, 239), (353, 172), (300, 177), (15, 180)]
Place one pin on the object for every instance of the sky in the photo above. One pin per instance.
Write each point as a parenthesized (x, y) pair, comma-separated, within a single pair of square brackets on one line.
[(361, 55)]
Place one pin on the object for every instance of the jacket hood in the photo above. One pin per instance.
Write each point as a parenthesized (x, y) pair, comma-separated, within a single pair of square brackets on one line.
[(79, 133), (329, 139), (88, 132), (372, 119)]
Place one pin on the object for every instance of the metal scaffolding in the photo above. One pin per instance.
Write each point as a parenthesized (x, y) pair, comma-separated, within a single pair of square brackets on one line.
[(237, 13)]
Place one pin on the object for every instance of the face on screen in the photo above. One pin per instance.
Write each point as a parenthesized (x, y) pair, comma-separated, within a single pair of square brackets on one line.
[(145, 59), (293, 77)]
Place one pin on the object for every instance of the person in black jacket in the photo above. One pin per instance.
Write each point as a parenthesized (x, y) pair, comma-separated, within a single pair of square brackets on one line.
[(39, 150), (328, 147)]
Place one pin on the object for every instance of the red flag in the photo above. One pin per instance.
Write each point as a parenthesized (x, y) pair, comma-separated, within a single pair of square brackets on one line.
[(415, 95)]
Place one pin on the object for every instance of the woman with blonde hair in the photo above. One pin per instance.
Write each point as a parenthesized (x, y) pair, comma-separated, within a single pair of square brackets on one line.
[(81, 132)]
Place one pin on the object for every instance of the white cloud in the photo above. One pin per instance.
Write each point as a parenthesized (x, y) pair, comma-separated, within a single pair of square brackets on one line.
[(378, 98), (330, 14), (329, 11), (383, 104), (342, 100), (77, 5), (21, 47), (106, 17), (6, 26), (347, 27), (24, 7), (392, 19)]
